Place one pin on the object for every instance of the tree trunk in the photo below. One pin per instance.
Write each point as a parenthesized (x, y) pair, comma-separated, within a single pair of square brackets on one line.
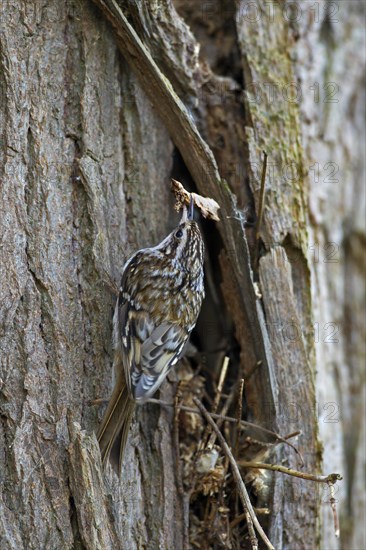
[(91, 132)]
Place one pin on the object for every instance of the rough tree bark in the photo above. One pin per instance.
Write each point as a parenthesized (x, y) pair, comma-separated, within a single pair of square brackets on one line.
[(90, 135)]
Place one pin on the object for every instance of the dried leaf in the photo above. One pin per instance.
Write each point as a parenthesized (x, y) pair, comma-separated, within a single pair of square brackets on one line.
[(211, 483), (208, 207)]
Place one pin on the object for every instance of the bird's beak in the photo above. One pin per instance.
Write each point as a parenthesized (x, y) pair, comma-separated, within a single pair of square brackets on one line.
[(191, 208), (188, 211)]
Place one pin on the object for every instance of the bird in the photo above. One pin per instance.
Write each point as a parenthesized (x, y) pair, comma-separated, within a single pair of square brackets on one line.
[(160, 297)]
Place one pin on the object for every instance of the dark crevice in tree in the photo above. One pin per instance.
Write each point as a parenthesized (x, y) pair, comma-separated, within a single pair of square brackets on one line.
[(214, 28)]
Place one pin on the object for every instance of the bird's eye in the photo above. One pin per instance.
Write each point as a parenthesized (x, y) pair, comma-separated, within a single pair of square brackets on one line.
[(179, 233)]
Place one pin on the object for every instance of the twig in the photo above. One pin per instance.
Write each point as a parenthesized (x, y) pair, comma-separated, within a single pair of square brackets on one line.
[(249, 374), (252, 535), (220, 385), (95, 402), (262, 511), (331, 478), (236, 473), (260, 207), (243, 423), (212, 436), (261, 197), (292, 434), (239, 519), (221, 420), (239, 412), (208, 441), (258, 511), (333, 506)]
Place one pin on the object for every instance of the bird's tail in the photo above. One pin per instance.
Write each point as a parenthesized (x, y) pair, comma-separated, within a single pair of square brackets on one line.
[(113, 431)]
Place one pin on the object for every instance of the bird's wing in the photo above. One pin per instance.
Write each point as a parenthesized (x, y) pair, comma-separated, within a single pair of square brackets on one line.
[(159, 353), (148, 351)]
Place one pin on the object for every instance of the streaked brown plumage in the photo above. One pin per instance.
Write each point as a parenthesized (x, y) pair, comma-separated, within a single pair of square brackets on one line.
[(160, 298)]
